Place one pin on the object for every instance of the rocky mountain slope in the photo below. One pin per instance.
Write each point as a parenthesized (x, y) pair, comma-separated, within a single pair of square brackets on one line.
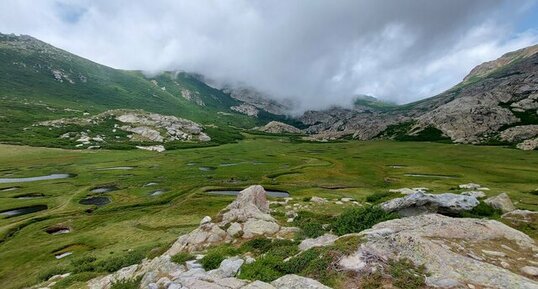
[(496, 103)]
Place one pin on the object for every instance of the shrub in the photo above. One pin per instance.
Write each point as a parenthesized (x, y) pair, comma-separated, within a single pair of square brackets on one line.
[(307, 199), (354, 220), (265, 269), (379, 197), (45, 275), (117, 262), (126, 284), (257, 245), (313, 230), (84, 264), (482, 210), (79, 277), (216, 255), (182, 257), (311, 223)]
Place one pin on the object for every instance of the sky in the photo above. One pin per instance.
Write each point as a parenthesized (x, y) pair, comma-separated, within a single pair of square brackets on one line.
[(315, 53)]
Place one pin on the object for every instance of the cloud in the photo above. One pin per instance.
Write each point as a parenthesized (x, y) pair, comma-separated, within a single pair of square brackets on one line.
[(317, 53)]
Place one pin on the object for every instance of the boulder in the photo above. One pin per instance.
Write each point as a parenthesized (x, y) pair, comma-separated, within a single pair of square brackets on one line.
[(235, 230), (318, 200), (530, 270), (206, 235), (524, 216), (256, 227), (476, 194), (470, 186), (434, 240), (501, 202), (321, 241), (251, 203), (228, 268), (419, 203), (297, 282)]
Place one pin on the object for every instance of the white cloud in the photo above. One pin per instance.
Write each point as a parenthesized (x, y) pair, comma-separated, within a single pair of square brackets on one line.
[(318, 53)]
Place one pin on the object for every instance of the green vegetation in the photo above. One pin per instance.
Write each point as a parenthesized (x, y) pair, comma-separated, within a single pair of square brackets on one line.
[(181, 258), (216, 255), (127, 284), (136, 221), (317, 263), (379, 197), (355, 220), (483, 210), (400, 273)]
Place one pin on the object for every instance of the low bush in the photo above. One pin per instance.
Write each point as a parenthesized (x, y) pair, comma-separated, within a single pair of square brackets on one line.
[(266, 269), (45, 275), (379, 197), (216, 255), (126, 284), (354, 220), (182, 257), (482, 210), (311, 223), (115, 263)]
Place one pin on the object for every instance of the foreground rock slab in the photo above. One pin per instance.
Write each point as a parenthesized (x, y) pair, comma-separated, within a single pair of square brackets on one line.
[(451, 249), (420, 203)]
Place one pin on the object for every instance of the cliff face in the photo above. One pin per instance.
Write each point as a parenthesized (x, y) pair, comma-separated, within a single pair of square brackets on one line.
[(496, 96)]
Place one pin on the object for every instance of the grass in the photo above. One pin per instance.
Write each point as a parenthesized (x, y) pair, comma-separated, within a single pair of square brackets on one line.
[(355, 220), (134, 220), (182, 257)]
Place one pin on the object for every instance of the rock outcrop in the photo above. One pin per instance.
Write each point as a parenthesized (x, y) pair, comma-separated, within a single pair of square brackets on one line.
[(452, 250), (420, 203), (245, 218), (279, 127), (501, 202)]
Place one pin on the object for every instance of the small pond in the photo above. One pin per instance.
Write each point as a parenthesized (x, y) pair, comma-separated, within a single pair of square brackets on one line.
[(30, 196), (97, 201), (207, 169), (23, 211), (58, 229), (116, 169), (104, 189), (274, 194), (33, 179), (432, 176), (157, 193), (9, 189), (63, 255)]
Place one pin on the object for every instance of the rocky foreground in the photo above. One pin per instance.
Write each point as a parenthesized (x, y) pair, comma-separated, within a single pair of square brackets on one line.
[(447, 252)]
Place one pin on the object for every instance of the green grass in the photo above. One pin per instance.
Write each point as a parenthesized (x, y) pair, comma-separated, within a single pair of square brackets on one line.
[(134, 220), (355, 220)]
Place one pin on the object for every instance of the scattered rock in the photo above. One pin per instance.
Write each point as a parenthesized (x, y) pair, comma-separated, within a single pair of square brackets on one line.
[(297, 282), (318, 200), (470, 186), (325, 240), (476, 194), (205, 220), (530, 270), (420, 203), (501, 202)]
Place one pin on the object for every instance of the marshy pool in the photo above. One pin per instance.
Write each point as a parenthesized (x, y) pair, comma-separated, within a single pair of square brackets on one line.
[(33, 179), (104, 189), (23, 211), (270, 193), (432, 176), (96, 201)]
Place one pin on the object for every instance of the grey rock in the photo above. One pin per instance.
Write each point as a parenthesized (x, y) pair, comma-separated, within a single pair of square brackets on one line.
[(297, 282), (420, 203), (501, 202)]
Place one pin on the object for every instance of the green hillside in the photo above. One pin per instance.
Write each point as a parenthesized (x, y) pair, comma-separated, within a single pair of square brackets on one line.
[(40, 82)]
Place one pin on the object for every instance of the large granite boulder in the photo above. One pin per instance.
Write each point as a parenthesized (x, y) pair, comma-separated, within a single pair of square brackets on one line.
[(455, 251), (501, 202), (420, 203)]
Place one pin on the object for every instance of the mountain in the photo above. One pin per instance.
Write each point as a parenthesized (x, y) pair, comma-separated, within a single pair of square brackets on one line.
[(496, 103), (39, 82)]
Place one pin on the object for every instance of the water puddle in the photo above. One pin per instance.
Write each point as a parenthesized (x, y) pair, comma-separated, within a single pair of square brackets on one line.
[(23, 211), (150, 184), (207, 169), (63, 255), (116, 169), (157, 193), (275, 194), (9, 189), (33, 179), (104, 189), (432, 176), (58, 230), (29, 196), (97, 201)]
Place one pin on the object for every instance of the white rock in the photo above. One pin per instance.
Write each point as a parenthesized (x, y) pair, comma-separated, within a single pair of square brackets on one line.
[(297, 282), (205, 220), (321, 241), (501, 202), (530, 270)]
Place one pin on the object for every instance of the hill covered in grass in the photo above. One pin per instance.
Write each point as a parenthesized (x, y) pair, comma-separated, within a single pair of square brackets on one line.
[(40, 82)]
